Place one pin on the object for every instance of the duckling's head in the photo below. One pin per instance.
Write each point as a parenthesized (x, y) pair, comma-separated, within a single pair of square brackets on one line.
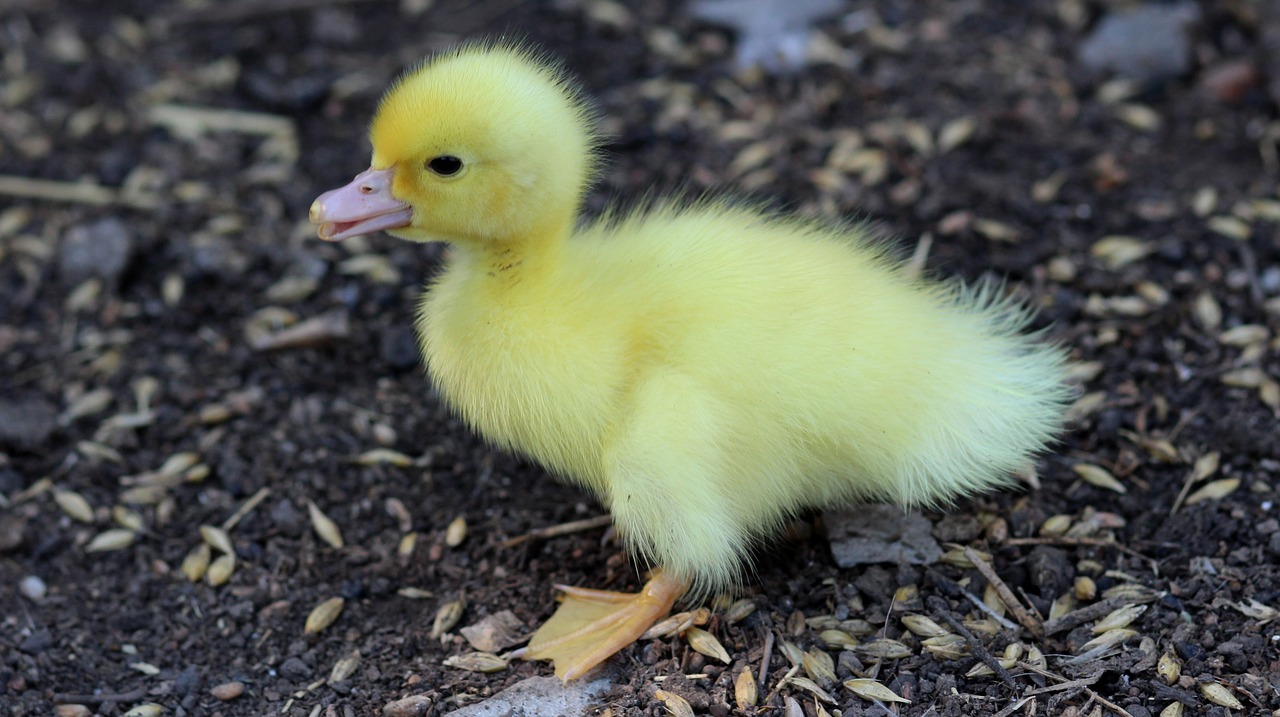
[(480, 145)]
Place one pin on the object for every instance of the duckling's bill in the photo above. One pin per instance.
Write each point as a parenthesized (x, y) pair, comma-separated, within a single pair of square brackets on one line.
[(363, 206)]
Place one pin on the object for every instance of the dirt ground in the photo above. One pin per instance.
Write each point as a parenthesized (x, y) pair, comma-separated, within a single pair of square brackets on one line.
[(178, 351)]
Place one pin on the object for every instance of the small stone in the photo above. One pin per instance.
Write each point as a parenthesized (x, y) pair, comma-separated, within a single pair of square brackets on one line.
[(188, 681), (101, 249), (295, 669), (880, 534), (288, 519), (411, 706), (33, 588), (1050, 570), (26, 422), (227, 691), (37, 642), (398, 347), (1148, 43)]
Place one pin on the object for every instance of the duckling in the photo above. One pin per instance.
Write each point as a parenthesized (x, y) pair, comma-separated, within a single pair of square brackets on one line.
[(706, 368)]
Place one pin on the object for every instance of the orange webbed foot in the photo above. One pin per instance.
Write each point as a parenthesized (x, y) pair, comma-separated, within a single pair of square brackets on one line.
[(591, 625)]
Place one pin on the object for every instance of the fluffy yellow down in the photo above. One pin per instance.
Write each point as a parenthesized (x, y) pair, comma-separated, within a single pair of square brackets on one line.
[(707, 369)]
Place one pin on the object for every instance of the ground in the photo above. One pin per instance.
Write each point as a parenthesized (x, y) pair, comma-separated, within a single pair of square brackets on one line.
[(178, 351)]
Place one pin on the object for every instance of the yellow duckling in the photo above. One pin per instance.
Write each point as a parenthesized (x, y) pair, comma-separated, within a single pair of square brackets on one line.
[(707, 369)]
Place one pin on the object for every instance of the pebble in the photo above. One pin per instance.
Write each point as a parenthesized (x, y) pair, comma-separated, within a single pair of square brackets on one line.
[(188, 681), (398, 347), (287, 518), (99, 249), (537, 696), (295, 669), (26, 422), (880, 534), (33, 588), (1148, 43), (37, 642), (1050, 570), (411, 706), (227, 691)]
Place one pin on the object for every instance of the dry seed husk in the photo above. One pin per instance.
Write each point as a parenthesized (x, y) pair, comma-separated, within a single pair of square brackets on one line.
[(791, 708), (948, 647), (1229, 227), (884, 649), (1220, 695), (221, 569), (407, 543), (1055, 526), (996, 231), (380, 456), (196, 562), (838, 638), (324, 526), (872, 690), (1169, 669), (924, 626), (982, 670), (1250, 377), (456, 532), (114, 539), (477, 662), (72, 710), (1175, 709), (1085, 588), (811, 687), (1131, 592), (1036, 658), (178, 462), (446, 617), (127, 519), (745, 692), (668, 626), (740, 611), (1244, 335), (1108, 639), (1098, 476), (1207, 311), (675, 704), (146, 709), (145, 668), (955, 133), (217, 538), (323, 615), (89, 403), (819, 666), (792, 652), (1258, 611), (1063, 605), (706, 643), (74, 505), (414, 593), (1118, 618), (1214, 490), (1206, 466), (1117, 251)]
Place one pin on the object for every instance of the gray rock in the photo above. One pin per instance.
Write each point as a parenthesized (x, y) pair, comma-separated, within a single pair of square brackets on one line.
[(26, 422), (880, 534), (1147, 44), (540, 697), (100, 249)]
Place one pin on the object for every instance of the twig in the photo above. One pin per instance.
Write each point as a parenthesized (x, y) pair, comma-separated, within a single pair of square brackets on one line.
[(939, 607), (1096, 542), (241, 11), (130, 696), (74, 192), (1011, 601), (1075, 618), (249, 505), (554, 531), (953, 588), (1013, 707), (768, 655), (1108, 703)]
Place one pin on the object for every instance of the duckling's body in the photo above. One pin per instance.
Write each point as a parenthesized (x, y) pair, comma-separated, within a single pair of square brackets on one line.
[(684, 359), (706, 369)]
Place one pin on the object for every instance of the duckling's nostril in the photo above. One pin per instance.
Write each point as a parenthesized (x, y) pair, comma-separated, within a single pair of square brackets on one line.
[(366, 189)]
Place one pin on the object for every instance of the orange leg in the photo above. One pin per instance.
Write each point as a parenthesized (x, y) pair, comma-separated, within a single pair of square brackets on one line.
[(591, 625)]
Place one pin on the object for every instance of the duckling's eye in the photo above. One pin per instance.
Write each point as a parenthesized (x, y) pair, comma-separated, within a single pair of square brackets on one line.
[(445, 165)]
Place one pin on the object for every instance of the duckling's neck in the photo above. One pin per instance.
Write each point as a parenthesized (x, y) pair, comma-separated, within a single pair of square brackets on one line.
[(512, 260)]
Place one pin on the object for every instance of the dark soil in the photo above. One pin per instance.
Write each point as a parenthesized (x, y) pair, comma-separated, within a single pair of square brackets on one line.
[(130, 330)]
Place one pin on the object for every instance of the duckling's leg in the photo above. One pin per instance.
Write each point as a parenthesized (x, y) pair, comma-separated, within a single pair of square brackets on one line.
[(591, 625)]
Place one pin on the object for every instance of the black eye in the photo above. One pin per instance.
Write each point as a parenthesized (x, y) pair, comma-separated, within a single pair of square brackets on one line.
[(445, 165)]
